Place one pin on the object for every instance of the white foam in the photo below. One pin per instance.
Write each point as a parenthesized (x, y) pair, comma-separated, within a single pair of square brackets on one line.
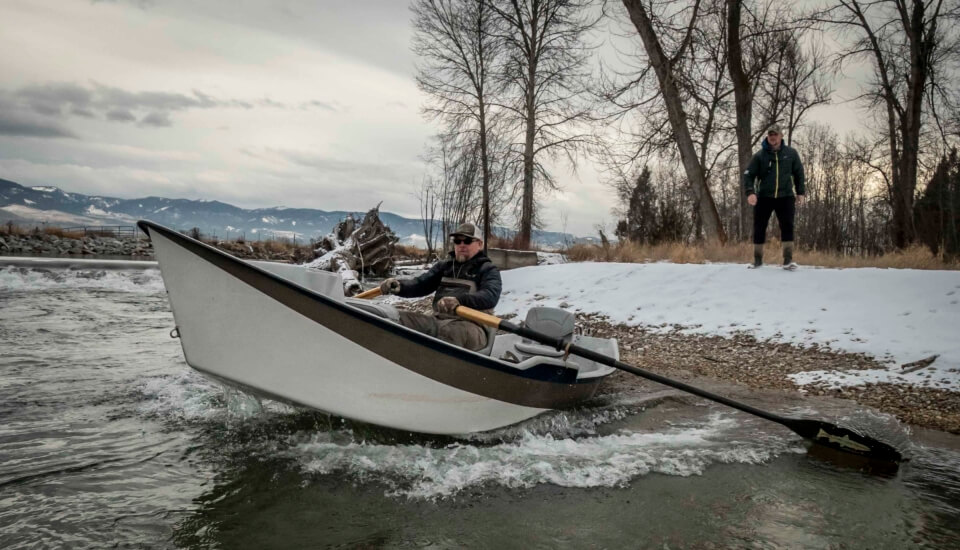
[(184, 396), (423, 472), (135, 281), (190, 396)]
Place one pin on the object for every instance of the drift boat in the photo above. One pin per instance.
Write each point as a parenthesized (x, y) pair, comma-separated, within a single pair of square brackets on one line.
[(289, 334)]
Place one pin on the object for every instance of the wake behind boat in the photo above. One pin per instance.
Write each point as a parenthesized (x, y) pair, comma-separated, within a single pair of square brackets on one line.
[(288, 333)]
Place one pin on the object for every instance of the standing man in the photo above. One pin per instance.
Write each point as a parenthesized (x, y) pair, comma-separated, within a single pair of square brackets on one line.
[(781, 188), (467, 278)]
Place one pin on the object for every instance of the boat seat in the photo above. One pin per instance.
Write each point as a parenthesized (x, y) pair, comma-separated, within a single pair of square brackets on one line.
[(381, 310), (551, 321)]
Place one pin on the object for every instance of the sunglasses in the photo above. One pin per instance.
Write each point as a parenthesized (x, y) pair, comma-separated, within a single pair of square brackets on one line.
[(463, 240)]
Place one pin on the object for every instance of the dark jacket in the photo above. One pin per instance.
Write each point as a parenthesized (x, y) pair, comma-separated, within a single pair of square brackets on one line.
[(779, 172), (478, 269)]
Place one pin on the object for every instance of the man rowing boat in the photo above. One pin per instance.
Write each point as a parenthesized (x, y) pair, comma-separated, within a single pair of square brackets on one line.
[(467, 278)]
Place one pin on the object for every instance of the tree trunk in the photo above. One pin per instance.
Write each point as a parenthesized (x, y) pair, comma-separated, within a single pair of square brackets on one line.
[(485, 169), (743, 100), (712, 226), (527, 214), (905, 231)]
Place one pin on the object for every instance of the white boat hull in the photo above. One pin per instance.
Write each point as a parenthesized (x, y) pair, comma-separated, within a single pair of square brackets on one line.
[(240, 324)]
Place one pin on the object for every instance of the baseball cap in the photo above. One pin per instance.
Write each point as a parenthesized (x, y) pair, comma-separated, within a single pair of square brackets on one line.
[(468, 230)]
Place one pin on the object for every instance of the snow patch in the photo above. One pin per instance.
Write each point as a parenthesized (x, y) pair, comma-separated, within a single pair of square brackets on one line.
[(895, 315)]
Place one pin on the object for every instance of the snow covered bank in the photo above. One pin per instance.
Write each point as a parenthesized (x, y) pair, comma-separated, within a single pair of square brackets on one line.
[(897, 316)]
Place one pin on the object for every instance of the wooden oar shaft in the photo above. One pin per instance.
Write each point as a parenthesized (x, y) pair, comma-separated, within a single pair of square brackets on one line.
[(479, 317), (372, 293)]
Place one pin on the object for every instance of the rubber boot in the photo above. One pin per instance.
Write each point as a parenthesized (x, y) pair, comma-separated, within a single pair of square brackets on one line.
[(757, 255), (787, 253)]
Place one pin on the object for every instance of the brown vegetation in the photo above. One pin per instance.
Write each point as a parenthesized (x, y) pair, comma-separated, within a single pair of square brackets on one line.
[(513, 243), (409, 252), (267, 250), (11, 228), (914, 257)]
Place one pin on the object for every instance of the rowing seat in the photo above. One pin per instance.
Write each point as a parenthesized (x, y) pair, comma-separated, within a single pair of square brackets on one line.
[(551, 321)]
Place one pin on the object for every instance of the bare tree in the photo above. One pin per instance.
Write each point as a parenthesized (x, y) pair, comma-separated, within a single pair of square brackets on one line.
[(742, 76), (678, 25), (458, 45), (545, 71), (793, 83), (428, 199), (910, 45)]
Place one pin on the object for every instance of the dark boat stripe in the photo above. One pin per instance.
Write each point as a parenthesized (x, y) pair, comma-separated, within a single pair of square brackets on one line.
[(543, 386)]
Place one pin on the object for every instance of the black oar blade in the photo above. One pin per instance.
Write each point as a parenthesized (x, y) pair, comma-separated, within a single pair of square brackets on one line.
[(843, 439)]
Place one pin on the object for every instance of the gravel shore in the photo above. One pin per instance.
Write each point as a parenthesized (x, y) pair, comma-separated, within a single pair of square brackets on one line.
[(749, 362), (743, 360)]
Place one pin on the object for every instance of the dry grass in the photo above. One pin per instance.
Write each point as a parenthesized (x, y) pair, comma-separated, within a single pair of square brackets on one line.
[(407, 251), (915, 257), (11, 228), (510, 244)]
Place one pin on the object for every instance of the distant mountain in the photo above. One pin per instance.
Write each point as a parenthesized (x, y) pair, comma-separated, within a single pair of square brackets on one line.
[(54, 206)]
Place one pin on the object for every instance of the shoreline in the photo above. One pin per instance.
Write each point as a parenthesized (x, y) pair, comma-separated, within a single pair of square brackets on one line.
[(765, 365), (751, 364)]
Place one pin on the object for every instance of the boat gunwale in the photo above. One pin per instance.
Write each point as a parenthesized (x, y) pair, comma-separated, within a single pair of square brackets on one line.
[(560, 377)]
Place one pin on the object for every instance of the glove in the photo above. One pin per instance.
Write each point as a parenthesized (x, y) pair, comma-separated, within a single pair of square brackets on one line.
[(448, 304), (390, 286)]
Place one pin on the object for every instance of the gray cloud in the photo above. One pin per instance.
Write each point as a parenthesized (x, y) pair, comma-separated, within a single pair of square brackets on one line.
[(16, 121), (81, 111), (151, 108), (332, 167), (322, 105), (160, 119), (119, 98), (55, 98), (120, 115), (12, 124)]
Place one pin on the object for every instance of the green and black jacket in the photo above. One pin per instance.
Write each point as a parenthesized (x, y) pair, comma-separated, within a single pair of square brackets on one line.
[(779, 172)]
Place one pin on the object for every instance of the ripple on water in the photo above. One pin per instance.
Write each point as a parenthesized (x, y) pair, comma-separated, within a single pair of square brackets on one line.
[(525, 458)]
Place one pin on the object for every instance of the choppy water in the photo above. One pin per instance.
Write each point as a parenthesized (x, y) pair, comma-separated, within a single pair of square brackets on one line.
[(108, 439)]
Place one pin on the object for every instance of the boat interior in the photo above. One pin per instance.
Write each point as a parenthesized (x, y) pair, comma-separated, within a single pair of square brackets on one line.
[(518, 352)]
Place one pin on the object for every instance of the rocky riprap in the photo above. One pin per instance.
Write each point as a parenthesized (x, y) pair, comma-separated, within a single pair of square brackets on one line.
[(43, 244), (48, 245)]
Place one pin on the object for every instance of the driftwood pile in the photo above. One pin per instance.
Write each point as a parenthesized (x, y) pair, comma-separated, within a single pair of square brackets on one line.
[(357, 249)]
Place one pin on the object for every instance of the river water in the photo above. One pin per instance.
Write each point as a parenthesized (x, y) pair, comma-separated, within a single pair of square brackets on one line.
[(108, 439)]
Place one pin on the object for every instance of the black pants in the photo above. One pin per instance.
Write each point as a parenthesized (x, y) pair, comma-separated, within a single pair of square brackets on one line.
[(785, 207)]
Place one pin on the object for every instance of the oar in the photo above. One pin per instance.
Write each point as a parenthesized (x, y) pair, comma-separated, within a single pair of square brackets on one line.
[(818, 431), (372, 293)]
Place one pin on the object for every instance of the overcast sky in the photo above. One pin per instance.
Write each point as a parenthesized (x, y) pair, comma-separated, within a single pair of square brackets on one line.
[(297, 103)]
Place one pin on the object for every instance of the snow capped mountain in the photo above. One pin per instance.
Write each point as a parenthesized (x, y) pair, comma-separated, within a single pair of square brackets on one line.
[(51, 205)]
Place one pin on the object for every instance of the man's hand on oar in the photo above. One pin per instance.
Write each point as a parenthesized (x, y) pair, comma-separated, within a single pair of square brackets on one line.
[(817, 431), (372, 293)]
